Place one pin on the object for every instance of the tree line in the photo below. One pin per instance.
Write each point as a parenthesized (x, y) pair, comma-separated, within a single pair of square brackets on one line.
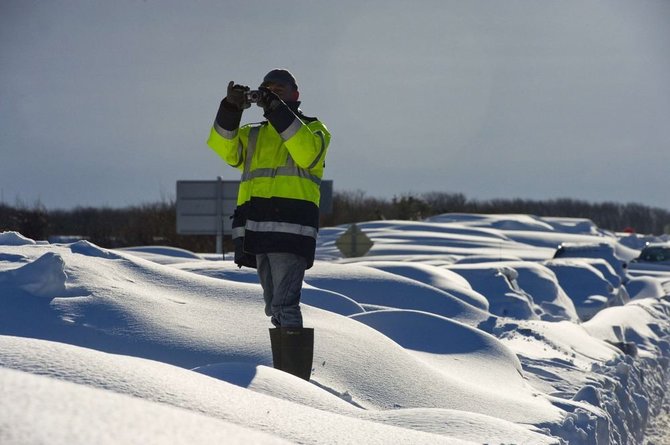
[(142, 225), (155, 223)]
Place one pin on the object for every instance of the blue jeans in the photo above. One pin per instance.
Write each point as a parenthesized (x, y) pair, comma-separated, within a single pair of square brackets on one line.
[(281, 276)]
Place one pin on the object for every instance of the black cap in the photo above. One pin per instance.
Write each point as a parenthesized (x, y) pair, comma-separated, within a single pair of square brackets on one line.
[(281, 76)]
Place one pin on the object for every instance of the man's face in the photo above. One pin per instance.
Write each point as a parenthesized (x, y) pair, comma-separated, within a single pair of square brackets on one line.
[(285, 92)]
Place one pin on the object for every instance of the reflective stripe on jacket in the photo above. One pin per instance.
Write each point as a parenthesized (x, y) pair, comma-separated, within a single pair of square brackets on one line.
[(278, 199)]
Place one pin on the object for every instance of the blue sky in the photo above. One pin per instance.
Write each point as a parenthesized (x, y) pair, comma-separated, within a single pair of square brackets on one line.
[(110, 103)]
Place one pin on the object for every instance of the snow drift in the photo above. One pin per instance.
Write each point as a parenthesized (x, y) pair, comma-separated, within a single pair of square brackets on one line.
[(457, 329)]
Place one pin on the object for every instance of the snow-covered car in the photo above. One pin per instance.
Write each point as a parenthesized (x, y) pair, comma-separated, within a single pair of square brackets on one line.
[(588, 288), (497, 282), (535, 282), (605, 268), (604, 251)]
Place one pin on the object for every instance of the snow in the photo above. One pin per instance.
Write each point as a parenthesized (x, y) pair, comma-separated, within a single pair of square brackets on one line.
[(57, 411), (456, 329), (587, 286), (14, 239), (163, 254), (535, 285), (437, 277), (645, 287)]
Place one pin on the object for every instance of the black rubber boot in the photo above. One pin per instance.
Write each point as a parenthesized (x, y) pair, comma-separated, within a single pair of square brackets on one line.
[(275, 342), (293, 350)]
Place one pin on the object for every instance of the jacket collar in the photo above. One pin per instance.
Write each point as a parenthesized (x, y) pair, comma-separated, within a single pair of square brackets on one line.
[(294, 106)]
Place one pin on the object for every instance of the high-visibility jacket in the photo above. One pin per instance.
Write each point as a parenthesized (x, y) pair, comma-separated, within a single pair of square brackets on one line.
[(282, 161)]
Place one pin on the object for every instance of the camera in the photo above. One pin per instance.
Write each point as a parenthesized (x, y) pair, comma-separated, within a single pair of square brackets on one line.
[(253, 96)]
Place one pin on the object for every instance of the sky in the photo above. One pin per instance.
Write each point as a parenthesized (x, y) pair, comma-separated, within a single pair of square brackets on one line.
[(110, 103)]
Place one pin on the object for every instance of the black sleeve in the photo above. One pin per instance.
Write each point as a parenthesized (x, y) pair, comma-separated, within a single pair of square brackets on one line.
[(228, 117)]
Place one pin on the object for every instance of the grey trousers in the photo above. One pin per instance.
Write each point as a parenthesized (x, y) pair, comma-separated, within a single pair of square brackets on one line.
[(281, 276)]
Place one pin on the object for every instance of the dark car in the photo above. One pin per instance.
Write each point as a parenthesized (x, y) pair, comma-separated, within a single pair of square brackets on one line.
[(654, 253)]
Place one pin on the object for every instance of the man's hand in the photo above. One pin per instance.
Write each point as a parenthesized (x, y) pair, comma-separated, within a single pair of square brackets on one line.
[(269, 101), (237, 96)]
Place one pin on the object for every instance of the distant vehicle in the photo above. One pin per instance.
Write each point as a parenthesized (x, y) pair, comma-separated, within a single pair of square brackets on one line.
[(604, 251), (658, 253)]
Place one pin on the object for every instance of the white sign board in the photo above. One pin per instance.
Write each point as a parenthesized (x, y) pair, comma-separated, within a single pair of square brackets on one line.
[(205, 207)]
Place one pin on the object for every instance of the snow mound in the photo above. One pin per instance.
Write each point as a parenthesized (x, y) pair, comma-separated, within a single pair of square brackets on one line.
[(269, 381), (636, 322), (645, 287), (586, 286), (463, 352), (329, 301), (368, 286), (438, 277), (313, 296), (38, 409), (44, 277), (572, 225), (12, 258), (14, 239), (224, 270), (548, 298), (542, 285), (446, 422), (472, 259), (187, 390), (162, 254), (502, 222), (87, 248), (497, 282)]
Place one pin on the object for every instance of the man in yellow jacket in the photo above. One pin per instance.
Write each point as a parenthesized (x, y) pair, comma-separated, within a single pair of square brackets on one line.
[(277, 217)]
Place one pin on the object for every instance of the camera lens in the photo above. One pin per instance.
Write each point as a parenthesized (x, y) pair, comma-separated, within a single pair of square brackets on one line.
[(253, 96)]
